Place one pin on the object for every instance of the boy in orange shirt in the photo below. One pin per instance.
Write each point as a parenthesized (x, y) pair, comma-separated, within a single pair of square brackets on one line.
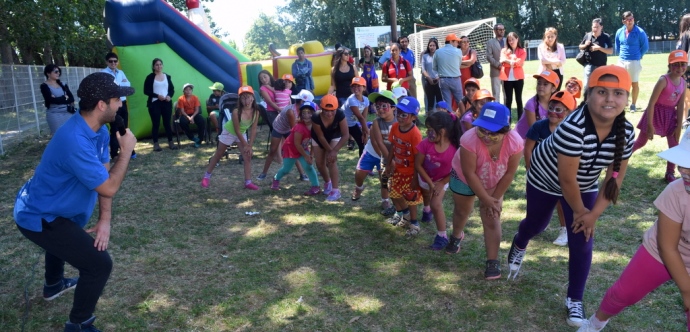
[(188, 110), (404, 190)]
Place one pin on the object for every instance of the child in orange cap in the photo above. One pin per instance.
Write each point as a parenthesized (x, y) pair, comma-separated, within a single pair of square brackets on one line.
[(479, 98), (537, 107), (283, 91), (665, 113)]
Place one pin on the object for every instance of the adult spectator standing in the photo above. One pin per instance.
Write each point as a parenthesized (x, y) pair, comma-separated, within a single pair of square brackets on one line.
[(408, 55), (112, 61), (493, 55), (447, 61), (599, 44), (302, 70), (432, 92), (396, 70), (52, 208), (631, 44), (469, 57)]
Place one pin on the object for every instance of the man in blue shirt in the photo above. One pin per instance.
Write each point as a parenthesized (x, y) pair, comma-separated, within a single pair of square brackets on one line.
[(112, 61), (52, 208), (631, 43), (408, 55), (447, 60)]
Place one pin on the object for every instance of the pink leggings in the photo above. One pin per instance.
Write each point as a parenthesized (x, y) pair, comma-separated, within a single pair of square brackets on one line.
[(642, 275)]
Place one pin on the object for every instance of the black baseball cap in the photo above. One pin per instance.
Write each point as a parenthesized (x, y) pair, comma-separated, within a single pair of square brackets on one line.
[(101, 86)]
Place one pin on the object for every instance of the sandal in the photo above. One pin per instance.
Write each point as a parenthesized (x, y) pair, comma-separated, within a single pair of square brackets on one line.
[(357, 194)]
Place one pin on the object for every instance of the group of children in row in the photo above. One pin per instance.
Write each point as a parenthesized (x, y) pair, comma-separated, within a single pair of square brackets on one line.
[(565, 151)]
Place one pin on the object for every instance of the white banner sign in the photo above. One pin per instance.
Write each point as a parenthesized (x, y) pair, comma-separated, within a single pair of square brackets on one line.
[(371, 35)]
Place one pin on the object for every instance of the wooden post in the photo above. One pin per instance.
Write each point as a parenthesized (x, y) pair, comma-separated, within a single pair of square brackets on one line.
[(394, 22)]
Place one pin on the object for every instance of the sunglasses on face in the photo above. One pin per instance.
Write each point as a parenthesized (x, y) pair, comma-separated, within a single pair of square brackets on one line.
[(493, 136), (56, 71), (112, 61)]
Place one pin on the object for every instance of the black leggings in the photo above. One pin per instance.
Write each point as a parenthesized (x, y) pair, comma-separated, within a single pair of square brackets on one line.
[(356, 134), (114, 144), (64, 241), (156, 110), (432, 93), (508, 87)]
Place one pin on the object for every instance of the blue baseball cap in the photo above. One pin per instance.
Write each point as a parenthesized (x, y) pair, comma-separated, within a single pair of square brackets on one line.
[(408, 105), (442, 104), (493, 117), (309, 104)]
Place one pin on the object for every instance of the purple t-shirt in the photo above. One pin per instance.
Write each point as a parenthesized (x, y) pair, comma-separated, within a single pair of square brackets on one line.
[(533, 106), (436, 164)]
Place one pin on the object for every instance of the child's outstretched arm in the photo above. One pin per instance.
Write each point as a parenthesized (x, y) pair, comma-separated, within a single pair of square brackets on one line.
[(668, 237)]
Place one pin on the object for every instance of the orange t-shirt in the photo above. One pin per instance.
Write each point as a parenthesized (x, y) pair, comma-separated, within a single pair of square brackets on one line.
[(404, 148), (188, 105)]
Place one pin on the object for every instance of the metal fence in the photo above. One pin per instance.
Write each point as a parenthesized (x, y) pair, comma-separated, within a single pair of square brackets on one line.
[(22, 113)]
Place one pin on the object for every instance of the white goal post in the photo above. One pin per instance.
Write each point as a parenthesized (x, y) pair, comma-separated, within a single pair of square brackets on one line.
[(479, 32)]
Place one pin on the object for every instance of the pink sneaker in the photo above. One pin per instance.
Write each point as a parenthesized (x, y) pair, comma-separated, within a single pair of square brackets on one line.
[(275, 185), (251, 186), (315, 190), (205, 182)]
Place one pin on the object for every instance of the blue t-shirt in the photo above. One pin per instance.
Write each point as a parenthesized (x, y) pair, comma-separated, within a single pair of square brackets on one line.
[(539, 131), (349, 115), (64, 181)]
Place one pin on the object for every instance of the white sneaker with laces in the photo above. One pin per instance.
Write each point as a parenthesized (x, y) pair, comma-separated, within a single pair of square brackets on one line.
[(562, 239), (576, 312), (587, 326), (515, 257)]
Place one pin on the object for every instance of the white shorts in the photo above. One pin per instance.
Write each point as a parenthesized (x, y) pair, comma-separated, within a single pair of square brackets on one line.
[(425, 185), (333, 142), (228, 139), (634, 67)]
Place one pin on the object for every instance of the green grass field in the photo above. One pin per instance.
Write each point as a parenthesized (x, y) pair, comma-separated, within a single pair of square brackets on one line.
[(189, 259)]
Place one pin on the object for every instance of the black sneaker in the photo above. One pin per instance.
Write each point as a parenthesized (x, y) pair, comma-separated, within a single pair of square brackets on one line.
[(493, 269), (350, 145), (515, 257), (576, 312), (53, 291), (454, 244), (84, 326)]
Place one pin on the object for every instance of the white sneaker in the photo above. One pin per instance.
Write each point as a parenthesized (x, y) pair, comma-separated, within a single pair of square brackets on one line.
[(587, 327), (562, 239), (576, 312)]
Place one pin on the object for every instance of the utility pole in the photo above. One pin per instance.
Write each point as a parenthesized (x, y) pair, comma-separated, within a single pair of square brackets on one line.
[(394, 22)]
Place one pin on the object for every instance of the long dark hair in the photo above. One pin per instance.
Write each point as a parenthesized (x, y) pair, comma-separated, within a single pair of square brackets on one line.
[(49, 69), (684, 25), (153, 63), (611, 189), (443, 120), (240, 106), (514, 35), (272, 79), (431, 40)]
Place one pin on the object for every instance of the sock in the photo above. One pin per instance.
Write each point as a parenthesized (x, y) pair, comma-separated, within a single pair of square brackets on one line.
[(405, 211), (246, 182), (414, 222), (427, 208), (596, 323), (360, 188), (207, 175), (442, 234)]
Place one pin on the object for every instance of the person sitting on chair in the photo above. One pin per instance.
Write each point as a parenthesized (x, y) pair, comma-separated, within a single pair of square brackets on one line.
[(188, 110), (213, 104)]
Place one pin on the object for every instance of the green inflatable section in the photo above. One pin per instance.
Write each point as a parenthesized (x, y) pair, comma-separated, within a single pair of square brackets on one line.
[(240, 57), (136, 61)]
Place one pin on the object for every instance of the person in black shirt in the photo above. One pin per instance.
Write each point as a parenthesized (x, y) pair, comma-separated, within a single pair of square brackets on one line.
[(599, 45)]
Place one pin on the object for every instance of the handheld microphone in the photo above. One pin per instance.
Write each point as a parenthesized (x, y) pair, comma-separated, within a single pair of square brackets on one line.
[(120, 125)]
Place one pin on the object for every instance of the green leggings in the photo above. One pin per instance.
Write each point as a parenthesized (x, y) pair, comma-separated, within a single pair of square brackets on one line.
[(288, 163)]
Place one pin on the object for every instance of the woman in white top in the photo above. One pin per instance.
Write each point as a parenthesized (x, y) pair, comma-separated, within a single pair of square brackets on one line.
[(158, 88), (551, 54)]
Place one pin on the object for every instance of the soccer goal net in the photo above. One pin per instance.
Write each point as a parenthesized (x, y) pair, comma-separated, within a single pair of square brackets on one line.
[(479, 32)]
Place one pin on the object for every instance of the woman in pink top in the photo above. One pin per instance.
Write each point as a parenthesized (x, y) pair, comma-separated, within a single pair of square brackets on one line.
[(484, 167), (432, 163), (551, 55), (665, 112), (665, 252)]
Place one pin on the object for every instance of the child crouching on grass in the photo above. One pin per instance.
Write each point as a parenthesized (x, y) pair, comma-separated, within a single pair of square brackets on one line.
[(244, 117), (433, 164), (484, 167), (404, 137), (296, 148)]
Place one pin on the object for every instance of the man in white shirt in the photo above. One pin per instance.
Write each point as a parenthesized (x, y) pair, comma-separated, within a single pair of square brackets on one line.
[(112, 62)]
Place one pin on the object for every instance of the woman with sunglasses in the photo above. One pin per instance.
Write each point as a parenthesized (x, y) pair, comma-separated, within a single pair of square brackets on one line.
[(566, 167), (484, 167), (342, 74), (432, 91), (56, 96)]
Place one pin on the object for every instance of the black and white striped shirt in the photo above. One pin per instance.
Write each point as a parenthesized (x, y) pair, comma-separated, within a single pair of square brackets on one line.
[(576, 137)]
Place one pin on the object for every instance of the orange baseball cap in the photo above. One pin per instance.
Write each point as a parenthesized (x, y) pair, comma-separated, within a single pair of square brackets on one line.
[(483, 94), (579, 83), (471, 80), (452, 37), (566, 98), (329, 103), (549, 76), (288, 77), (358, 81), (677, 56), (245, 89), (624, 81)]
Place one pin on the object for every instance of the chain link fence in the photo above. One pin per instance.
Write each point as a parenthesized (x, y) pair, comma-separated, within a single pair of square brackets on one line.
[(22, 113)]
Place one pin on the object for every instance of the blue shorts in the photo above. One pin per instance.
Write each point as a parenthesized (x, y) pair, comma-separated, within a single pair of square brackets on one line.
[(459, 187), (279, 135), (367, 162)]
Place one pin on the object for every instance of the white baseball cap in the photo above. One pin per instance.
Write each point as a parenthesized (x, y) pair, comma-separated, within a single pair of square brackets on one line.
[(304, 95), (679, 154), (399, 92)]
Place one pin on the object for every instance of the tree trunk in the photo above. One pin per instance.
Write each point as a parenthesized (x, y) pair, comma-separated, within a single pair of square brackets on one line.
[(5, 47), (47, 53)]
